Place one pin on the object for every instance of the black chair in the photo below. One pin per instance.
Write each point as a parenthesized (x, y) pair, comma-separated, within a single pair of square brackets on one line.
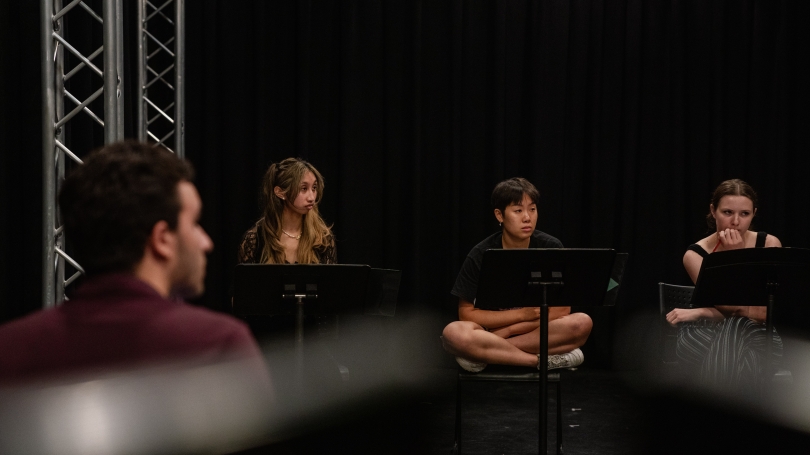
[(503, 373), (671, 296)]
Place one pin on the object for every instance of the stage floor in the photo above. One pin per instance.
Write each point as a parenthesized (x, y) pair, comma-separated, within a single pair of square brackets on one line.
[(601, 415)]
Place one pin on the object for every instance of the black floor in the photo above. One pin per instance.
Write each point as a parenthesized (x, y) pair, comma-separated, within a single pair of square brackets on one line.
[(600, 416)]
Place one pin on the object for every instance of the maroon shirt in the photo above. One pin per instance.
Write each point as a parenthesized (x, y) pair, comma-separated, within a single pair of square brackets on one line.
[(113, 322)]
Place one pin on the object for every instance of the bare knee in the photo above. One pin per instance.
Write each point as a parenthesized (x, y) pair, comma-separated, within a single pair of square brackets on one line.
[(580, 326), (451, 331), (457, 334)]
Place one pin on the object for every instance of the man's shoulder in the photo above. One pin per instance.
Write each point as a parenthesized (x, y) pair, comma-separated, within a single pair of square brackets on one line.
[(205, 319), (77, 337), (30, 339), (29, 325), (192, 330), (542, 240)]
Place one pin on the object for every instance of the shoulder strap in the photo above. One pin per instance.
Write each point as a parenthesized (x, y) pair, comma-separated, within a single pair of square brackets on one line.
[(698, 249), (761, 236)]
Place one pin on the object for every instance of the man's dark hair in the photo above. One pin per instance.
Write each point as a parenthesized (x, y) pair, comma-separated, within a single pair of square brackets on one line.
[(110, 203), (511, 191)]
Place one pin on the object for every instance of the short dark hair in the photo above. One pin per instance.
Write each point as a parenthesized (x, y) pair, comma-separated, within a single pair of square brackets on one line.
[(733, 187), (110, 203), (511, 191)]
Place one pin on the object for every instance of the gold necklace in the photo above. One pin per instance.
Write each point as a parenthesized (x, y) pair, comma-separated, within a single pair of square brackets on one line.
[(296, 237)]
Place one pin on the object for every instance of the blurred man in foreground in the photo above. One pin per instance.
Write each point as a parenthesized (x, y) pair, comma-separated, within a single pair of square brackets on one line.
[(131, 217)]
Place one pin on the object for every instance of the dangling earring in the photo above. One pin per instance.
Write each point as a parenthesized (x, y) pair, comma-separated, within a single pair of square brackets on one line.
[(500, 224)]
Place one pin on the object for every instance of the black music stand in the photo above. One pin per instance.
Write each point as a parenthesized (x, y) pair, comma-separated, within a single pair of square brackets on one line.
[(753, 277), (339, 289), (543, 277)]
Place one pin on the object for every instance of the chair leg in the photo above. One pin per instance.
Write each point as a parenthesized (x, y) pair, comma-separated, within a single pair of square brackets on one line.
[(457, 443), (559, 419)]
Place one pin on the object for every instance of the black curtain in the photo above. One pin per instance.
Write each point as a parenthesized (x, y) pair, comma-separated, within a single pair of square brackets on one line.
[(625, 114)]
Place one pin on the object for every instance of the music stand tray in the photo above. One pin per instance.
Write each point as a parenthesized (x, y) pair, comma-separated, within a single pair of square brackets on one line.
[(741, 277), (510, 278), (521, 277), (330, 289), (260, 289)]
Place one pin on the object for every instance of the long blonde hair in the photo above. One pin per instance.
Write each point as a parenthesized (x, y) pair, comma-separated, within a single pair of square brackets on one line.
[(315, 234)]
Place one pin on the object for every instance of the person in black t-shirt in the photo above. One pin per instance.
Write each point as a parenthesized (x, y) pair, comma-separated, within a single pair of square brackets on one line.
[(511, 337)]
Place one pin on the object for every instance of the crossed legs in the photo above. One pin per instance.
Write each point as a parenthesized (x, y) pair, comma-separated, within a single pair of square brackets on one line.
[(471, 341)]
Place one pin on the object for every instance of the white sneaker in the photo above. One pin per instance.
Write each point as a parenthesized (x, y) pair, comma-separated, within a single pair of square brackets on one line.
[(469, 365), (567, 360)]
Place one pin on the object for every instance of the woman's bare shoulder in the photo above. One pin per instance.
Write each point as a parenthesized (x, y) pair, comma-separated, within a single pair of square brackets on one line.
[(772, 241)]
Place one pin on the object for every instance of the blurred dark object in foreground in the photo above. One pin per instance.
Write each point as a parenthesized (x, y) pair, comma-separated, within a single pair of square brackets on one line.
[(686, 416), (170, 409), (220, 408)]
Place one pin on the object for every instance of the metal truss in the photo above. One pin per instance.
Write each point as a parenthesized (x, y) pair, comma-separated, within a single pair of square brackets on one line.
[(159, 92), (100, 88)]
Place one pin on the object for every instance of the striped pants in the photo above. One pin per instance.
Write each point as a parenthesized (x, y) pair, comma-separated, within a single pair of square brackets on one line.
[(728, 353)]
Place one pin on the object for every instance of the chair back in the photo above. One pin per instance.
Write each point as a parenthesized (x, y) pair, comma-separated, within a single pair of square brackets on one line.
[(671, 296)]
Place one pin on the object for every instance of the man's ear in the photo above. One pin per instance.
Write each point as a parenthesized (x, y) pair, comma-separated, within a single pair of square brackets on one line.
[(499, 215), (162, 240)]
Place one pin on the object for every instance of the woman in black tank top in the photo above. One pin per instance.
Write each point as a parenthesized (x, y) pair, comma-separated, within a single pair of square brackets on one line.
[(726, 342)]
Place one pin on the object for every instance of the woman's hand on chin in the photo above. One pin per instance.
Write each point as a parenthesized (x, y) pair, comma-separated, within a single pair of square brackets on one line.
[(730, 239), (679, 315)]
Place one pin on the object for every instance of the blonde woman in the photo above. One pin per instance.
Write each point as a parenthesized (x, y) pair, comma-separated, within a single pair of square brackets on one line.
[(290, 231)]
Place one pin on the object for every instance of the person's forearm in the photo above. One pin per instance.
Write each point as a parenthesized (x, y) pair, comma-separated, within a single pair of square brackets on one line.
[(495, 319), (732, 310), (756, 313), (556, 312), (516, 329)]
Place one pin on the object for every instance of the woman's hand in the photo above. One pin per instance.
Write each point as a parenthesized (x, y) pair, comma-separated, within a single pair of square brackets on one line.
[(684, 315), (730, 239)]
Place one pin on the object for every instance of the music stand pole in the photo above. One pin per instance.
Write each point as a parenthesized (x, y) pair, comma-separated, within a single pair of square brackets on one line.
[(299, 332), (514, 276), (543, 364), (769, 367)]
